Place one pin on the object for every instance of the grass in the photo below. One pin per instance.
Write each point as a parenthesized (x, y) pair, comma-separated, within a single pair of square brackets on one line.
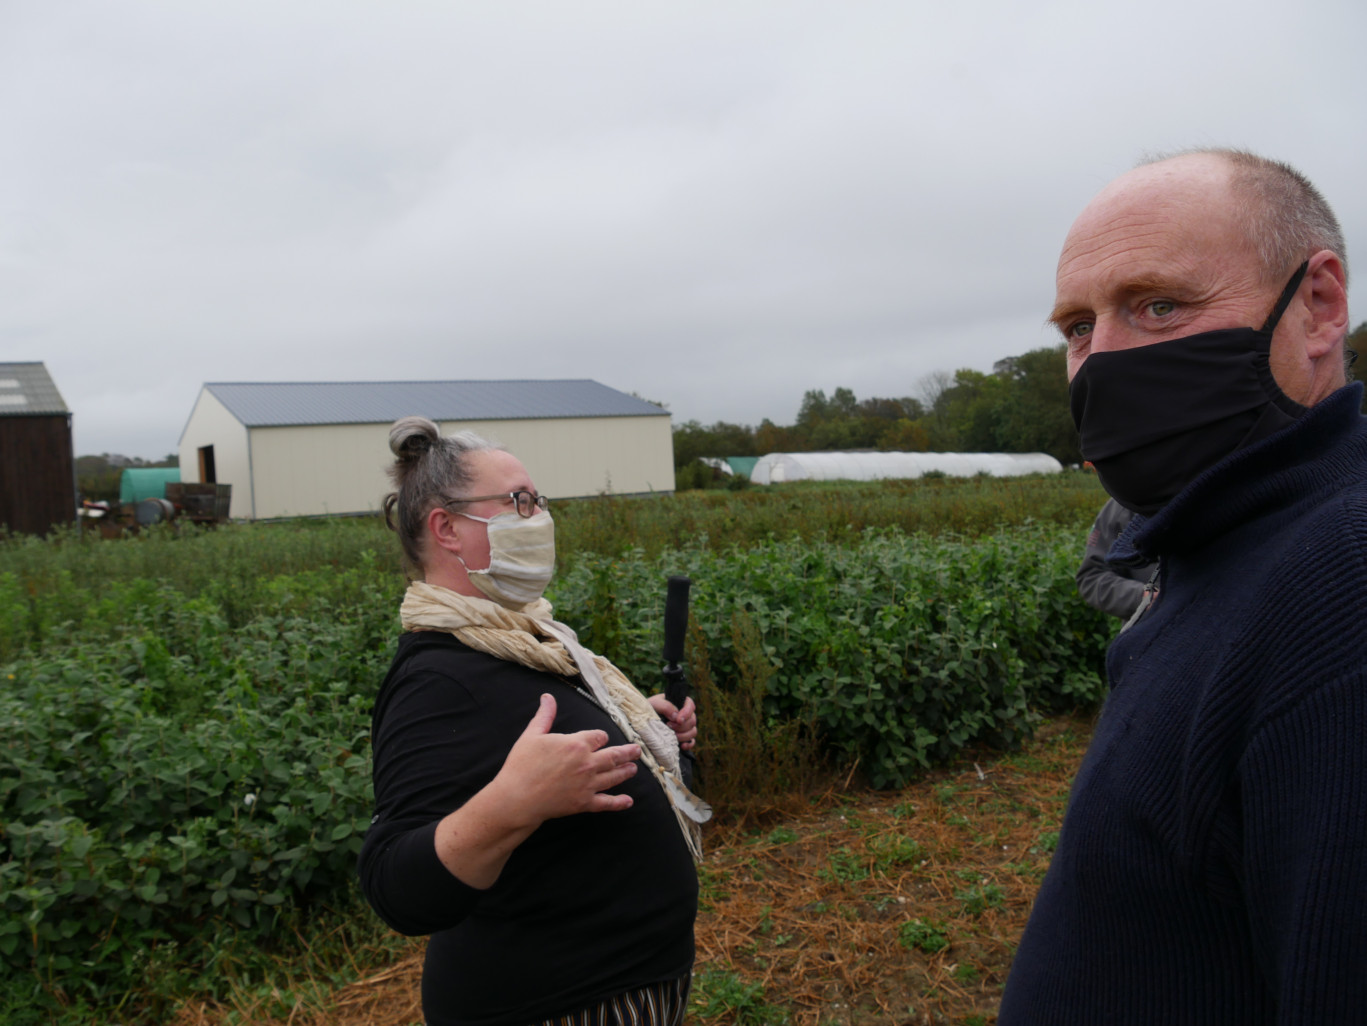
[(195, 558), (825, 511), (818, 909)]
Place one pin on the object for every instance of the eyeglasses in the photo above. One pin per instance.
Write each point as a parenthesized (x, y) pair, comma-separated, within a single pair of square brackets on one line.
[(524, 502)]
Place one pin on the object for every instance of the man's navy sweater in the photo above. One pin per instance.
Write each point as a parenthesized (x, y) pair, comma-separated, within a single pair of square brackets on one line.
[(1212, 866)]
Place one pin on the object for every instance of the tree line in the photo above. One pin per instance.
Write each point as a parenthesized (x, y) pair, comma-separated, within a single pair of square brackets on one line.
[(1021, 406)]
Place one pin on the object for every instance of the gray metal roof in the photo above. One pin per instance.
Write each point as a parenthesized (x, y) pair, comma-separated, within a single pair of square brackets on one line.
[(283, 404), (26, 390)]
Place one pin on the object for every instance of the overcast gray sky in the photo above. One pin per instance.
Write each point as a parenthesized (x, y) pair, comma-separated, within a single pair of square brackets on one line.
[(715, 205)]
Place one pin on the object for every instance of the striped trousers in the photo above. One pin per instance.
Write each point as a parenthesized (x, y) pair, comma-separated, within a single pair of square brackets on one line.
[(660, 1004)]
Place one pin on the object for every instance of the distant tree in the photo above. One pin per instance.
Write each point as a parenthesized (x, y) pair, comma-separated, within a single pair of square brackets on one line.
[(1005, 368), (1037, 417), (974, 408), (843, 405), (930, 392), (844, 421), (815, 408), (932, 386), (692, 440), (770, 437), (890, 409), (734, 439), (1022, 406), (904, 435), (96, 480), (837, 433), (695, 474)]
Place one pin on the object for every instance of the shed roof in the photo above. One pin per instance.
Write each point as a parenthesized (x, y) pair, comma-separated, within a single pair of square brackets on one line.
[(27, 390), (287, 404)]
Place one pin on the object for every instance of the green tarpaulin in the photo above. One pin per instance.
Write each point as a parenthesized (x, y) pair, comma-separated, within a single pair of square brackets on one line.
[(138, 483), (742, 465)]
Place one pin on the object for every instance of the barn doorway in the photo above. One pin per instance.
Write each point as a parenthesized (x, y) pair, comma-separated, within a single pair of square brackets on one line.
[(207, 474)]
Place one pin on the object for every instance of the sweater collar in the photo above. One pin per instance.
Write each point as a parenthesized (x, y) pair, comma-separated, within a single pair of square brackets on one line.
[(1308, 457)]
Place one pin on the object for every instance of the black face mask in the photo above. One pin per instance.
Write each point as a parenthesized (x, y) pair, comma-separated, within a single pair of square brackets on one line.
[(1154, 417)]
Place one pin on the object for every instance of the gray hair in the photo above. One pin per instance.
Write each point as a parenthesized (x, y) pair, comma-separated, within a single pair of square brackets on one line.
[(1285, 218), (428, 469)]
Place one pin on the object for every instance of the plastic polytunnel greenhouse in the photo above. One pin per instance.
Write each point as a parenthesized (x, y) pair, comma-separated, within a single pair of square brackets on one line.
[(778, 467)]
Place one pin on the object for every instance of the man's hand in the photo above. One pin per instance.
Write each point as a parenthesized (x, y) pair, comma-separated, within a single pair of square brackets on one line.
[(684, 722)]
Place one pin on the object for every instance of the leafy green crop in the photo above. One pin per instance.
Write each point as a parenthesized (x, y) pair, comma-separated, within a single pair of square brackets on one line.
[(902, 649), (179, 774), (184, 720)]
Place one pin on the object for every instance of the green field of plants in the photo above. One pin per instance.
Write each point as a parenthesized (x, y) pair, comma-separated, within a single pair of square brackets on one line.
[(184, 775)]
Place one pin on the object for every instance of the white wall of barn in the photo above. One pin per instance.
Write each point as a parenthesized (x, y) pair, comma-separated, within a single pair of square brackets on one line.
[(340, 468), (210, 423), (320, 469), (577, 457)]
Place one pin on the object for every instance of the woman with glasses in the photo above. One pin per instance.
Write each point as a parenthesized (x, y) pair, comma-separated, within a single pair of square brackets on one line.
[(529, 813)]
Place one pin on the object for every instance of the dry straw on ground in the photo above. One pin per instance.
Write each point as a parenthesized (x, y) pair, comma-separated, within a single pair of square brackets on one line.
[(830, 910)]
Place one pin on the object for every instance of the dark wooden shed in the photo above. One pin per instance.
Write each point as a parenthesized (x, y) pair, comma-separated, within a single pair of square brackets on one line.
[(37, 472)]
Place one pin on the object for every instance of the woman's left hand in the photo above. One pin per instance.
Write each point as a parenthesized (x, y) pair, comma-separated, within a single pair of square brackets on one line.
[(684, 722)]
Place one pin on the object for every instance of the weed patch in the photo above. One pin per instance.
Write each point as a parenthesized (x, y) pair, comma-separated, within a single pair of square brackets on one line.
[(722, 994), (979, 898), (929, 937)]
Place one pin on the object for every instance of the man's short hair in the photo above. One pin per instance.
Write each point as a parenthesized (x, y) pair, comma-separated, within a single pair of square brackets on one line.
[(1284, 216)]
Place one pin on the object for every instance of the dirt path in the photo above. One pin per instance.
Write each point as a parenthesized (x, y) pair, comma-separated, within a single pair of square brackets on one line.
[(875, 907)]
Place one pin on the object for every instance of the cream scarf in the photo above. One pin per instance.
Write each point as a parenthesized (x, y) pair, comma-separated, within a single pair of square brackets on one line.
[(531, 637)]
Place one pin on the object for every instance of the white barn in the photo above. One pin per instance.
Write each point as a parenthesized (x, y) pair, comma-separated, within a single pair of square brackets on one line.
[(778, 467), (309, 449)]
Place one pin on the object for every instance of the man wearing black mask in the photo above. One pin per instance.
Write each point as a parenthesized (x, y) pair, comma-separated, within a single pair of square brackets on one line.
[(1212, 866)]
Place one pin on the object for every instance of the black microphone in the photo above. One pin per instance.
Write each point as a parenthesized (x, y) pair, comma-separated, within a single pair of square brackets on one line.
[(676, 625), (676, 619), (676, 682)]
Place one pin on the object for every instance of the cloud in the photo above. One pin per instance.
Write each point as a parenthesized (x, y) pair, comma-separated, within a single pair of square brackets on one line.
[(717, 206)]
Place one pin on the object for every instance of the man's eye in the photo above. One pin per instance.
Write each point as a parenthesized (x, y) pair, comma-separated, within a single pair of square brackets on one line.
[(1162, 307), (1080, 329)]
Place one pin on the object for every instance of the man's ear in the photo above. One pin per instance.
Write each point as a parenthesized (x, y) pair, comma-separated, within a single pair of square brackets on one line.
[(1326, 306), (441, 528)]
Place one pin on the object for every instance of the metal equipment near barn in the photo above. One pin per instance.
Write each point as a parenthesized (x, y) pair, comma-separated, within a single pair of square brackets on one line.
[(196, 502), (142, 495), (201, 502), (181, 501)]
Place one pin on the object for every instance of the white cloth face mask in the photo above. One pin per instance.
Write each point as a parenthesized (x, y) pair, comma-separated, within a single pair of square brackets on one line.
[(521, 558)]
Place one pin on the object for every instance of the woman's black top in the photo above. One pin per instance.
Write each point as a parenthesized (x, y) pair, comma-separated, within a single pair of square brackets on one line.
[(588, 906)]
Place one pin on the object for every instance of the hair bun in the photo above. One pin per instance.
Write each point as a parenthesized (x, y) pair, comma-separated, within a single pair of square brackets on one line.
[(410, 437)]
